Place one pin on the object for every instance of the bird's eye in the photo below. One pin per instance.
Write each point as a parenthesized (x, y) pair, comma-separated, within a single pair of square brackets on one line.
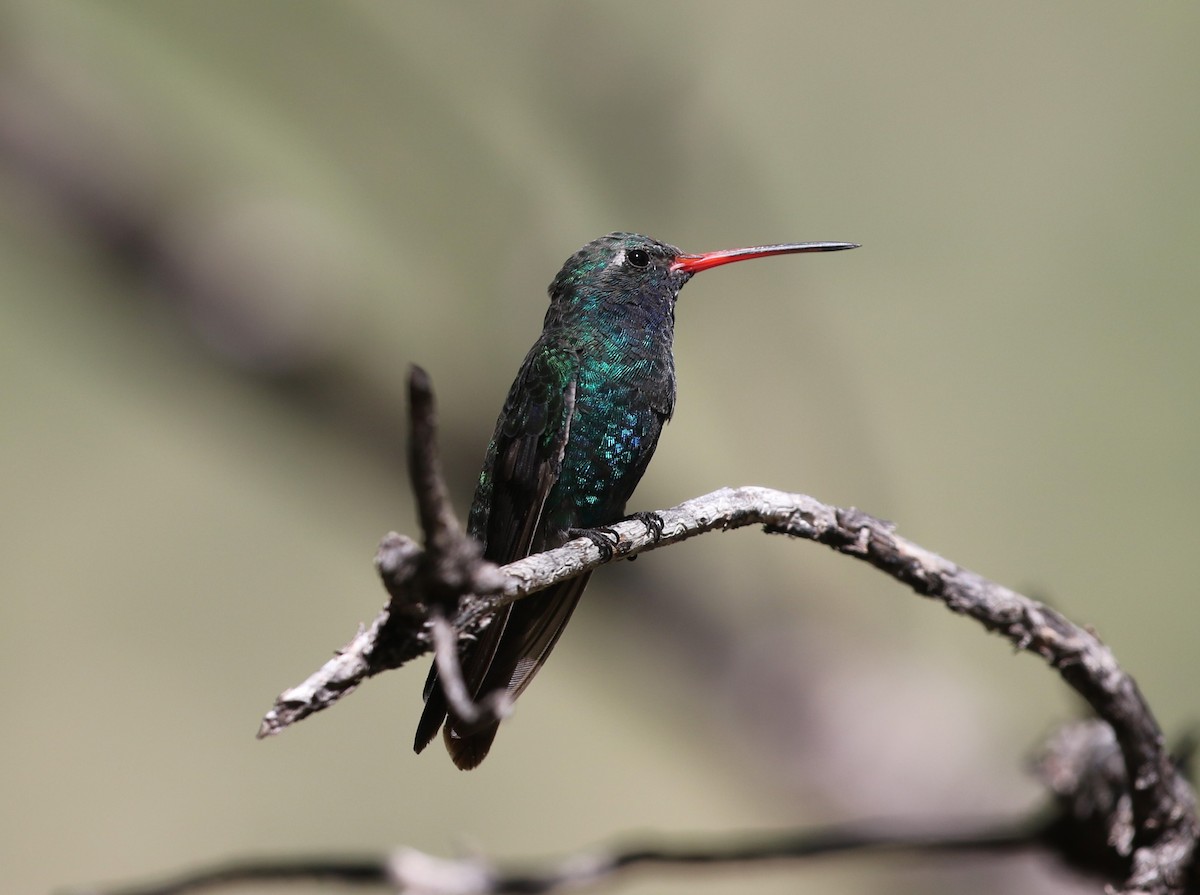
[(638, 257)]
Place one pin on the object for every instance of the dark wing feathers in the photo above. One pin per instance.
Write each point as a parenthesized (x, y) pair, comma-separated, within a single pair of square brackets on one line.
[(525, 458), (529, 444)]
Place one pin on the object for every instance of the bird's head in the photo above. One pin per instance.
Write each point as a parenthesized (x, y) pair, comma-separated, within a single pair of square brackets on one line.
[(628, 269)]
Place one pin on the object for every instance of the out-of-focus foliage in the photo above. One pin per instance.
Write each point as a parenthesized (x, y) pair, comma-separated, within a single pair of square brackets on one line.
[(227, 228)]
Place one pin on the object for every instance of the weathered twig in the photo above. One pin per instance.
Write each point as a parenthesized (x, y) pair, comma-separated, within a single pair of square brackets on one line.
[(468, 714), (450, 575)]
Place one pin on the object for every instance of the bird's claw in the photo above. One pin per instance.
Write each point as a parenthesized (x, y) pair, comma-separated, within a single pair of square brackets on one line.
[(604, 539), (653, 522)]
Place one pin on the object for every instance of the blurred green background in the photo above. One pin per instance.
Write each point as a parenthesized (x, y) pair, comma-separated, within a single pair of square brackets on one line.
[(226, 230)]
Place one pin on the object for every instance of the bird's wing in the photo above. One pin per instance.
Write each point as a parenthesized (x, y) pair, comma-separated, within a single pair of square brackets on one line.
[(524, 462), (529, 443)]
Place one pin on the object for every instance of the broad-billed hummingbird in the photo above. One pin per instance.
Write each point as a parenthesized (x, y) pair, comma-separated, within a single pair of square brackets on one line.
[(577, 431)]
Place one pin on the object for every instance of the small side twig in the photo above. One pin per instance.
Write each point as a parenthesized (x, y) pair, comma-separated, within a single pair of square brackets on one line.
[(468, 714), (452, 563)]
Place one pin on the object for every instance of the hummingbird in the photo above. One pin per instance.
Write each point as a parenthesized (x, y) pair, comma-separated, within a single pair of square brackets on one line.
[(578, 428)]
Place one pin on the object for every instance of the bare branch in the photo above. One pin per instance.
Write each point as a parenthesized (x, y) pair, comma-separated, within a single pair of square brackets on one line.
[(415, 871), (1080, 764), (365, 871), (449, 575), (410, 871)]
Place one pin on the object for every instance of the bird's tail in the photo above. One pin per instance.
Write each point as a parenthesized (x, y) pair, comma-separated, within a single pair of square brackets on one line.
[(525, 633)]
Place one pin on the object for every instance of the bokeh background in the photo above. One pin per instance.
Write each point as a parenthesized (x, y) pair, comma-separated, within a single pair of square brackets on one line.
[(226, 230)]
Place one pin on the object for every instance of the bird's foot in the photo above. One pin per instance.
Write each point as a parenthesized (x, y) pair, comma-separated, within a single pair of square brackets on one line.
[(604, 539), (653, 522)]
